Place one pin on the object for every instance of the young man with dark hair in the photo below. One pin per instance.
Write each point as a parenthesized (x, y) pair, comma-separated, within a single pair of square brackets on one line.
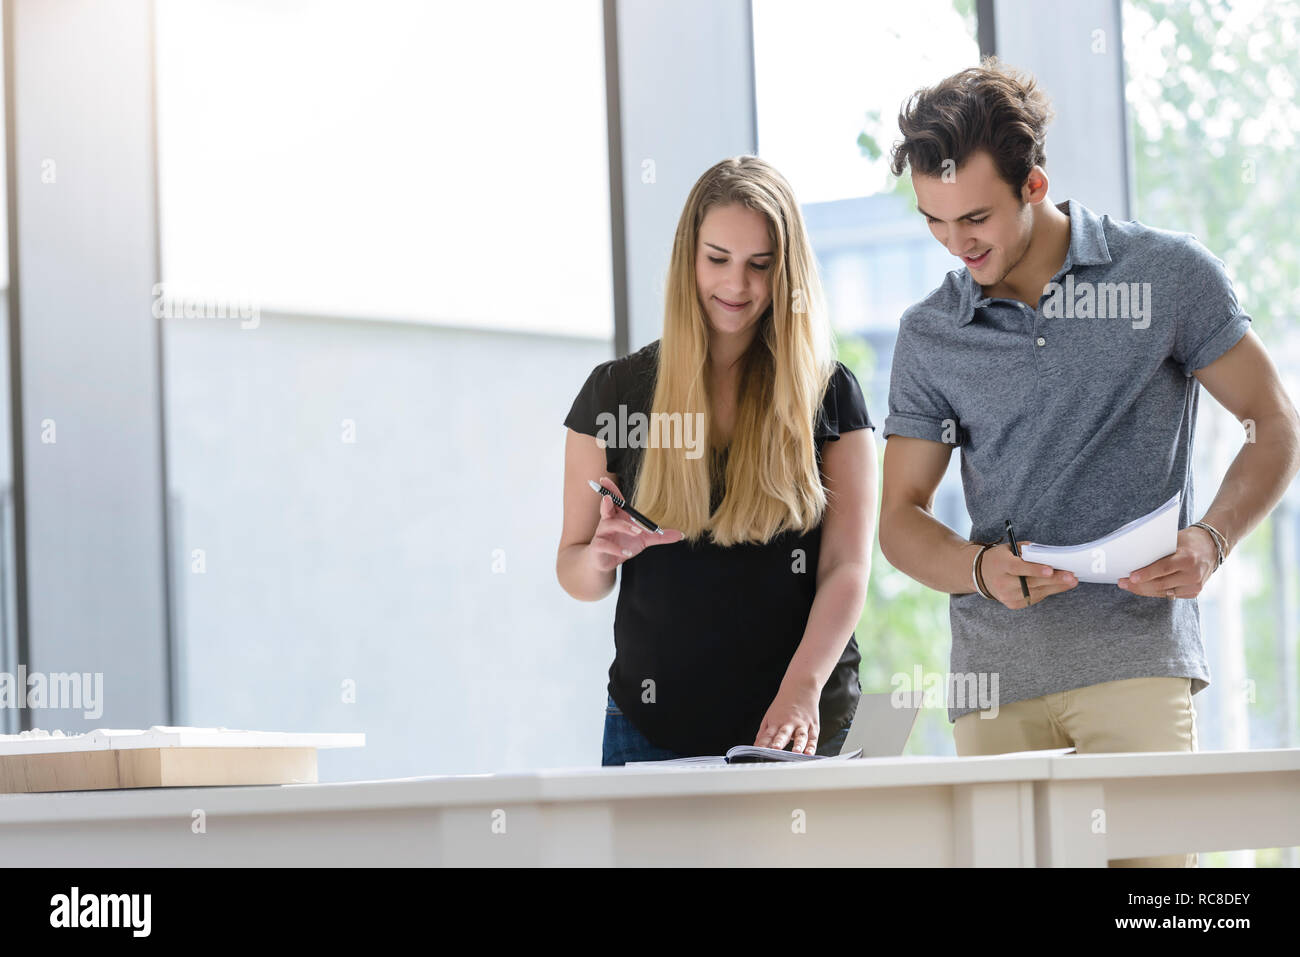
[(1071, 423)]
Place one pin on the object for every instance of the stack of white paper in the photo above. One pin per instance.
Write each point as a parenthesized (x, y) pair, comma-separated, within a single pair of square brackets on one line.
[(1117, 555)]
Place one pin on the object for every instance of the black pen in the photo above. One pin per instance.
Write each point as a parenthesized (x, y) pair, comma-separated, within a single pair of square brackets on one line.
[(617, 500), (1015, 550)]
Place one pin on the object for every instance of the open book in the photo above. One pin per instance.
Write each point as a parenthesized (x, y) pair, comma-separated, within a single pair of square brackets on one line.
[(749, 754), (880, 728), (1119, 554)]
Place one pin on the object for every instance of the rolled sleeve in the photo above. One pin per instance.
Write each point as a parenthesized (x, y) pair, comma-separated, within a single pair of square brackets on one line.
[(1212, 321), (915, 426), (918, 409)]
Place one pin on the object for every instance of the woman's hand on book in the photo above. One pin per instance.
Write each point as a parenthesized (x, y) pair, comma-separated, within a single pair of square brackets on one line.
[(792, 718), (618, 537)]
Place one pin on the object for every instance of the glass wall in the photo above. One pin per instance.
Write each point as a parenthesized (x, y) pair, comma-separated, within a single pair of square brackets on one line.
[(1212, 92), (364, 436), (1212, 96), (829, 79), (390, 159)]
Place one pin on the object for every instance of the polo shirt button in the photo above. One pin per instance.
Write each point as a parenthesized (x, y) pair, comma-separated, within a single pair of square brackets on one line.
[(1042, 341)]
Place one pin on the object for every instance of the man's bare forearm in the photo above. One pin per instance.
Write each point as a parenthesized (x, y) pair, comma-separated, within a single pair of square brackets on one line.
[(1257, 478), (921, 546)]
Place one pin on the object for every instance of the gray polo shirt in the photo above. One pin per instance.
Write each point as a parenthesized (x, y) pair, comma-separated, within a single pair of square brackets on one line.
[(1073, 419)]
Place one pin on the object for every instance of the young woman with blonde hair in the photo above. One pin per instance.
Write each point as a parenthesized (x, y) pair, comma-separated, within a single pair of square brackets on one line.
[(736, 625)]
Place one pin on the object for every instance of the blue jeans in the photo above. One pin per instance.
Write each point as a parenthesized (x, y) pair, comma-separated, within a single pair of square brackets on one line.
[(623, 742)]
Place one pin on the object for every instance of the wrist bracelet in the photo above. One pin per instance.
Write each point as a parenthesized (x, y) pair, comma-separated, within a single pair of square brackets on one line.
[(1220, 544), (975, 581), (976, 573), (979, 570)]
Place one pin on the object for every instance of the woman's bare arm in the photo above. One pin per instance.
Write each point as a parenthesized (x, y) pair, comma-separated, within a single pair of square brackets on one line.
[(843, 567), (597, 536)]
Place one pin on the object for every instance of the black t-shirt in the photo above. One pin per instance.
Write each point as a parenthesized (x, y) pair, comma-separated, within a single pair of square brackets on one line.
[(714, 628)]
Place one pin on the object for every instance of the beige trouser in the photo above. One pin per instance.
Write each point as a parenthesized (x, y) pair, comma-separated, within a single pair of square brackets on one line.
[(1137, 714)]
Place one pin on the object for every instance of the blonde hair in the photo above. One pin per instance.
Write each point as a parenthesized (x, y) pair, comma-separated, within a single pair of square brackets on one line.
[(772, 479)]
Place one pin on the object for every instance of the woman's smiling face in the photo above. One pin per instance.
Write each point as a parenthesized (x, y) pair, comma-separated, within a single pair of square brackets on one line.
[(732, 267)]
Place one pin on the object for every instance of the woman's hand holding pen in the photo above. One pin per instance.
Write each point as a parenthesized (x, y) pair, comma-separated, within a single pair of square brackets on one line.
[(1002, 571), (617, 537)]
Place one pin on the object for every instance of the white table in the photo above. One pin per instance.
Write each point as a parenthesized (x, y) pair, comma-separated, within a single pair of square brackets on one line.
[(1167, 803), (1005, 810)]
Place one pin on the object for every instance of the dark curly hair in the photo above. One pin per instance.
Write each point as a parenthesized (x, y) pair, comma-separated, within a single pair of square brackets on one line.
[(990, 107)]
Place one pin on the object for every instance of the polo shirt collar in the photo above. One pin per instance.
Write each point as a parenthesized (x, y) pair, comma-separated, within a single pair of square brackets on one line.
[(1087, 248)]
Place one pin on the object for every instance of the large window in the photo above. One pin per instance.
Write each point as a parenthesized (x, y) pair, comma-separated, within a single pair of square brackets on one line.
[(829, 79), (1212, 92), (362, 477), (389, 159)]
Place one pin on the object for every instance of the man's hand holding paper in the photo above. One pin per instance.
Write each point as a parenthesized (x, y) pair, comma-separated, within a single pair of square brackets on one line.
[(1180, 575), (1124, 552)]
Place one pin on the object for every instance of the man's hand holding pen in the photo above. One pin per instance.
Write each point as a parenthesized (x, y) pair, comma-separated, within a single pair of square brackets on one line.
[(1002, 572)]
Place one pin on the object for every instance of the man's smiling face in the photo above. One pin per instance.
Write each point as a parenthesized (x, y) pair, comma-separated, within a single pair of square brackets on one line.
[(978, 217)]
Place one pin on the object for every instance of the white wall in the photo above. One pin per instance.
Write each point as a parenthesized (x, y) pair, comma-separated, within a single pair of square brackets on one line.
[(373, 561)]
